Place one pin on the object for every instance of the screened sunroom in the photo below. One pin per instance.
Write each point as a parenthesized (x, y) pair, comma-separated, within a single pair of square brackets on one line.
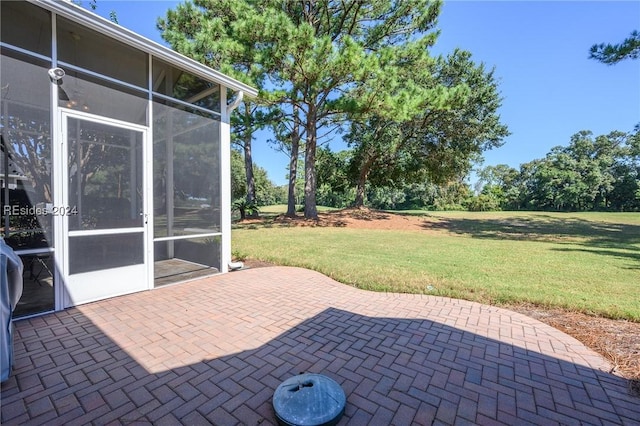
[(115, 163)]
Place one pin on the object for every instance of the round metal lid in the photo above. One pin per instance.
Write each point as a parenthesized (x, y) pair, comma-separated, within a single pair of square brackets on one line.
[(309, 400)]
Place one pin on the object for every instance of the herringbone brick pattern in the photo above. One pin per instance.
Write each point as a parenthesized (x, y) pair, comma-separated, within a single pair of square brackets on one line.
[(213, 351)]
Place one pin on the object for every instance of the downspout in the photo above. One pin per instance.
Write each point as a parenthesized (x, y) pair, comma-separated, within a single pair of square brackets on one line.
[(234, 266), (236, 102)]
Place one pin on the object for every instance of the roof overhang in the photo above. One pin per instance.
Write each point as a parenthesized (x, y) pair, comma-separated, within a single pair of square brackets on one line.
[(97, 23)]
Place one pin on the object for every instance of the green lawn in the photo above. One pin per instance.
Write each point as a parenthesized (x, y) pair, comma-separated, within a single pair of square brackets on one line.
[(588, 262)]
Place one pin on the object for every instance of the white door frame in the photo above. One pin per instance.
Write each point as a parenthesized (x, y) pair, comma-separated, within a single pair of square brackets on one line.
[(118, 280)]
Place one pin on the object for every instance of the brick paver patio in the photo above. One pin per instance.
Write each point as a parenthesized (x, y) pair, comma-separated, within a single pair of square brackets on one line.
[(213, 351)]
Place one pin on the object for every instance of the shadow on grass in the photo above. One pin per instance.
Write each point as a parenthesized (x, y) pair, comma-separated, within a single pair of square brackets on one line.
[(624, 255), (603, 238), (283, 221), (543, 228), (335, 218)]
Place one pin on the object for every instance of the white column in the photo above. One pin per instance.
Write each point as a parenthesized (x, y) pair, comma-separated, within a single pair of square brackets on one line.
[(60, 184), (225, 181)]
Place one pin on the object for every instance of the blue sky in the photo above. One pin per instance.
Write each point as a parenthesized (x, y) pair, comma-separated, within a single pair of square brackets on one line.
[(539, 49)]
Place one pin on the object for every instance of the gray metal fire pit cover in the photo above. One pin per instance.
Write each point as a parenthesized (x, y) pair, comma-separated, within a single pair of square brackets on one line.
[(309, 400)]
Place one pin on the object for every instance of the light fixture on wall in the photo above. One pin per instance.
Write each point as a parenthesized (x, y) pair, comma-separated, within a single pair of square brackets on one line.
[(56, 74)]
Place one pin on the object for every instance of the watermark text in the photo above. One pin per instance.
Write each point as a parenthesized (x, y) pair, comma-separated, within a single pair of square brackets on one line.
[(39, 210)]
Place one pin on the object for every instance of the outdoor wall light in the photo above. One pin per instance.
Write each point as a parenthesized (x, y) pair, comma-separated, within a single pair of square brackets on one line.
[(56, 74)]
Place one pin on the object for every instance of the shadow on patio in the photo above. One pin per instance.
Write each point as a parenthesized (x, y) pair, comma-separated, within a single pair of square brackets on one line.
[(214, 350)]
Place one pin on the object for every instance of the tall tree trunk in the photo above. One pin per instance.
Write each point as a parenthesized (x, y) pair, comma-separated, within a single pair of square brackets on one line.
[(369, 156), (293, 164), (362, 182), (310, 208)]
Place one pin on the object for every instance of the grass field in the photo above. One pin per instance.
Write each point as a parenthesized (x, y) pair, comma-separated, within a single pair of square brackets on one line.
[(589, 262)]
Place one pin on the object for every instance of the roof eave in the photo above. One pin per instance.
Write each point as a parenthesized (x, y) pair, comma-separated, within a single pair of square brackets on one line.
[(113, 30)]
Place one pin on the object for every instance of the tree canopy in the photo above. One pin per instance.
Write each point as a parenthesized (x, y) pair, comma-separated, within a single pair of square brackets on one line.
[(439, 142), (324, 63)]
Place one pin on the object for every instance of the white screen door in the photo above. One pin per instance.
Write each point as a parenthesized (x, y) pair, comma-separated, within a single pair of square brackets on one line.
[(105, 217)]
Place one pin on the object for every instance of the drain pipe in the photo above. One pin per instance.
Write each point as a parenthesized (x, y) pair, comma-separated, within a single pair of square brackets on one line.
[(233, 105), (234, 266)]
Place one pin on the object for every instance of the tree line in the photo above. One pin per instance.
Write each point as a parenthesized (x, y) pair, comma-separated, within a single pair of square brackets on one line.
[(590, 173)]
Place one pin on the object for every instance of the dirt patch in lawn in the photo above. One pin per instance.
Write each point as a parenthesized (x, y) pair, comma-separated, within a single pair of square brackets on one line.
[(617, 340), (355, 218)]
